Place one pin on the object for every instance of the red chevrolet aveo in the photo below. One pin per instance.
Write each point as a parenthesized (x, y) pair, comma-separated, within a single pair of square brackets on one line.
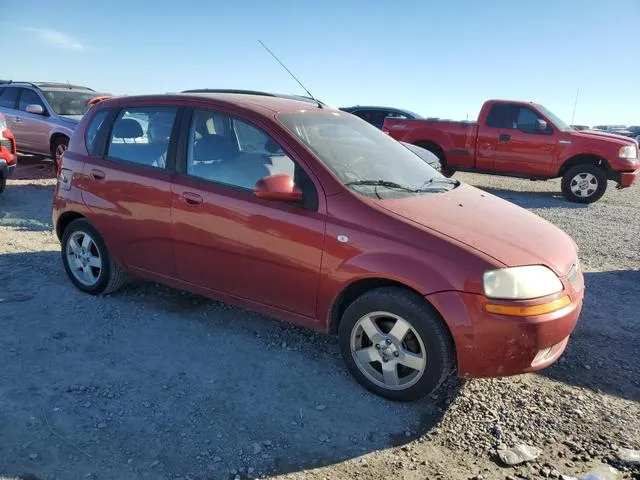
[(310, 214)]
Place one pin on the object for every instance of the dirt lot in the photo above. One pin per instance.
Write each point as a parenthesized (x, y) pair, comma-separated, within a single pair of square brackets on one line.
[(155, 383)]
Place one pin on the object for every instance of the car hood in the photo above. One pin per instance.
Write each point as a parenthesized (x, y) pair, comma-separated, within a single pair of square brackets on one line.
[(610, 138), (500, 229)]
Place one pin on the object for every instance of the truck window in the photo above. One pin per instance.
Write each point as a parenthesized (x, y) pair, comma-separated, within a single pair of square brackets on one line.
[(527, 119), (502, 115)]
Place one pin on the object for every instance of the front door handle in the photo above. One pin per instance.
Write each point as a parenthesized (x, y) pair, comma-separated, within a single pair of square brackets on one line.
[(97, 174), (192, 198), (505, 137), (17, 119)]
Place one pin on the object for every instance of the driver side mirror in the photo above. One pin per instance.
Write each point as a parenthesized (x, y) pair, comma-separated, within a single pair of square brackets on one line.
[(279, 188), (541, 125), (35, 109)]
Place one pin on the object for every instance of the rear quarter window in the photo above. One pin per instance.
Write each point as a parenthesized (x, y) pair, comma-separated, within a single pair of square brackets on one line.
[(91, 132)]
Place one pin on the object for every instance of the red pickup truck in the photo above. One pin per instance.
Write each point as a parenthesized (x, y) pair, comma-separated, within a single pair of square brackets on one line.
[(521, 139)]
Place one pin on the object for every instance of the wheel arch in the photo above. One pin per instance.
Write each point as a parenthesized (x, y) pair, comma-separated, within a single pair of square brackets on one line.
[(585, 159), (359, 287), (433, 147), (55, 136), (64, 221)]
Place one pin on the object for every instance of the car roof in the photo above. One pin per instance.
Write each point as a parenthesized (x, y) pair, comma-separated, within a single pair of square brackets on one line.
[(57, 85), (248, 101)]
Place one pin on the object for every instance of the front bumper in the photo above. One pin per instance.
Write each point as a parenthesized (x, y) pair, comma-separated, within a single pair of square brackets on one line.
[(495, 345), (629, 178)]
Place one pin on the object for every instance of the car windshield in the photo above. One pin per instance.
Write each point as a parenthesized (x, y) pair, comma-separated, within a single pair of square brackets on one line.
[(363, 157), (68, 102), (557, 121)]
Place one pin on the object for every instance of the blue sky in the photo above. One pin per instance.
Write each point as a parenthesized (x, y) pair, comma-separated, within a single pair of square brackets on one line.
[(439, 58)]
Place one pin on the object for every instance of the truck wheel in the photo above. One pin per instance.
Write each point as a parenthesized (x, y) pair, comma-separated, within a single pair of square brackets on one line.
[(395, 345), (584, 183), (444, 170)]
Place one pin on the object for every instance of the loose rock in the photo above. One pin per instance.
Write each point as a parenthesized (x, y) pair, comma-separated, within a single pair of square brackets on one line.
[(519, 454)]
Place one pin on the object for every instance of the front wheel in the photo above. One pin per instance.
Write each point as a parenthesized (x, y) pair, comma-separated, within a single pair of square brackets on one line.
[(584, 183), (395, 345), (87, 261), (3, 182)]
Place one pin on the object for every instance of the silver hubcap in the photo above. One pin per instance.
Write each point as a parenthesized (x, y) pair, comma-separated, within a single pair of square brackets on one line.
[(84, 258), (584, 185), (60, 149), (388, 350)]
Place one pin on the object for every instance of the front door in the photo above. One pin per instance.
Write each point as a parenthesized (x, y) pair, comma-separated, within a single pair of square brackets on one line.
[(522, 148), (229, 241), (127, 185)]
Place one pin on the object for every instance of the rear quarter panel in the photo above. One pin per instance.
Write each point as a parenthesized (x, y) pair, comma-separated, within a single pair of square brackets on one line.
[(455, 139)]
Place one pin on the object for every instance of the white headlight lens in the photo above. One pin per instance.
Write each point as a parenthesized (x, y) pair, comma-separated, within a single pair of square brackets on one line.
[(521, 283), (628, 151)]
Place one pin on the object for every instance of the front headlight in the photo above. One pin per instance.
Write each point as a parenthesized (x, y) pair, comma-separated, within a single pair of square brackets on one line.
[(521, 283), (628, 151)]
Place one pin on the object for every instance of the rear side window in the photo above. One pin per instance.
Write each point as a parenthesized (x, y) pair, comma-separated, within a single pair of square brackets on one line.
[(8, 97), (141, 135), (502, 115), (92, 130)]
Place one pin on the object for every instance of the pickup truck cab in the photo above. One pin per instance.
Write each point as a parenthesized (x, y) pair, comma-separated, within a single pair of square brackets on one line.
[(524, 139)]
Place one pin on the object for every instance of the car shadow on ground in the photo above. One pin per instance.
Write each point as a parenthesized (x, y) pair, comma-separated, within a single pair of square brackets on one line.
[(608, 335), (154, 378), (535, 199)]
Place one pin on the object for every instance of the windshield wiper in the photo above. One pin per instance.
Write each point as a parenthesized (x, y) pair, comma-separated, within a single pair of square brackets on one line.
[(382, 183)]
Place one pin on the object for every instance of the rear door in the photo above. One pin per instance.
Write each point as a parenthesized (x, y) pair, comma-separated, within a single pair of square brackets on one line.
[(229, 241), (9, 107), (31, 128), (127, 184)]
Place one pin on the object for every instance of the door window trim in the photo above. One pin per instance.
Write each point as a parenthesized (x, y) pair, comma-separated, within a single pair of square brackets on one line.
[(312, 200)]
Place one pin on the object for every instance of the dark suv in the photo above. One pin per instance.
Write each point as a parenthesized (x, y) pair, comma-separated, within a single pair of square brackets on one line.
[(42, 115), (311, 215)]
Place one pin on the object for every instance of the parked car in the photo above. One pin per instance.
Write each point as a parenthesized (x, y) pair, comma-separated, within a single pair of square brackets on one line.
[(580, 127), (338, 227), (43, 115), (429, 157), (376, 115), (8, 157), (526, 140)]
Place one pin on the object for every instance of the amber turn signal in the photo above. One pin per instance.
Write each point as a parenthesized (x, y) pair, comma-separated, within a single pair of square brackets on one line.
[(530, 310)]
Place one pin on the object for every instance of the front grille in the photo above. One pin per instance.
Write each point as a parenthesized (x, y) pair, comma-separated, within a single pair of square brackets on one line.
[(5, 142)]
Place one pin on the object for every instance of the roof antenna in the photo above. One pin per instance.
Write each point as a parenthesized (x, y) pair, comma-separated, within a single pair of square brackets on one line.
[(69, 84), (294, 77)]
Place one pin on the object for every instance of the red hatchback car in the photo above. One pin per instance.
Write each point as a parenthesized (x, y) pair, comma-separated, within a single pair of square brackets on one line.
[(310, 214)]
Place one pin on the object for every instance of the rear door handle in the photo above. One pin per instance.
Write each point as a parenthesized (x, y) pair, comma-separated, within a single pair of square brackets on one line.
[(97, 174), (505, 137), (192, 198)]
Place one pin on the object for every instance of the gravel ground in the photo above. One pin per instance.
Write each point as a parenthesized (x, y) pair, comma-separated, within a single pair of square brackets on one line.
[(156, 383)]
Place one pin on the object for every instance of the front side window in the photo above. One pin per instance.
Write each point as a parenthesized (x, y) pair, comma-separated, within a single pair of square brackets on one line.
[(235, 152), (141, 135), (29, 97), (8, 97), (362, 157)]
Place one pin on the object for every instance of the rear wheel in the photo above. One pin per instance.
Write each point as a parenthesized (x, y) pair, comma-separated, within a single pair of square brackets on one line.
[(59, 146), (395, 345), (87, 261), (3, 182), (584, 183)]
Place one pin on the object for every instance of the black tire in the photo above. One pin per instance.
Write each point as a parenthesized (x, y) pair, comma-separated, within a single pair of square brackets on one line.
[(439, 348), (60, 142), (444, 170), (110, 278), (3, 182), (590, 174)]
